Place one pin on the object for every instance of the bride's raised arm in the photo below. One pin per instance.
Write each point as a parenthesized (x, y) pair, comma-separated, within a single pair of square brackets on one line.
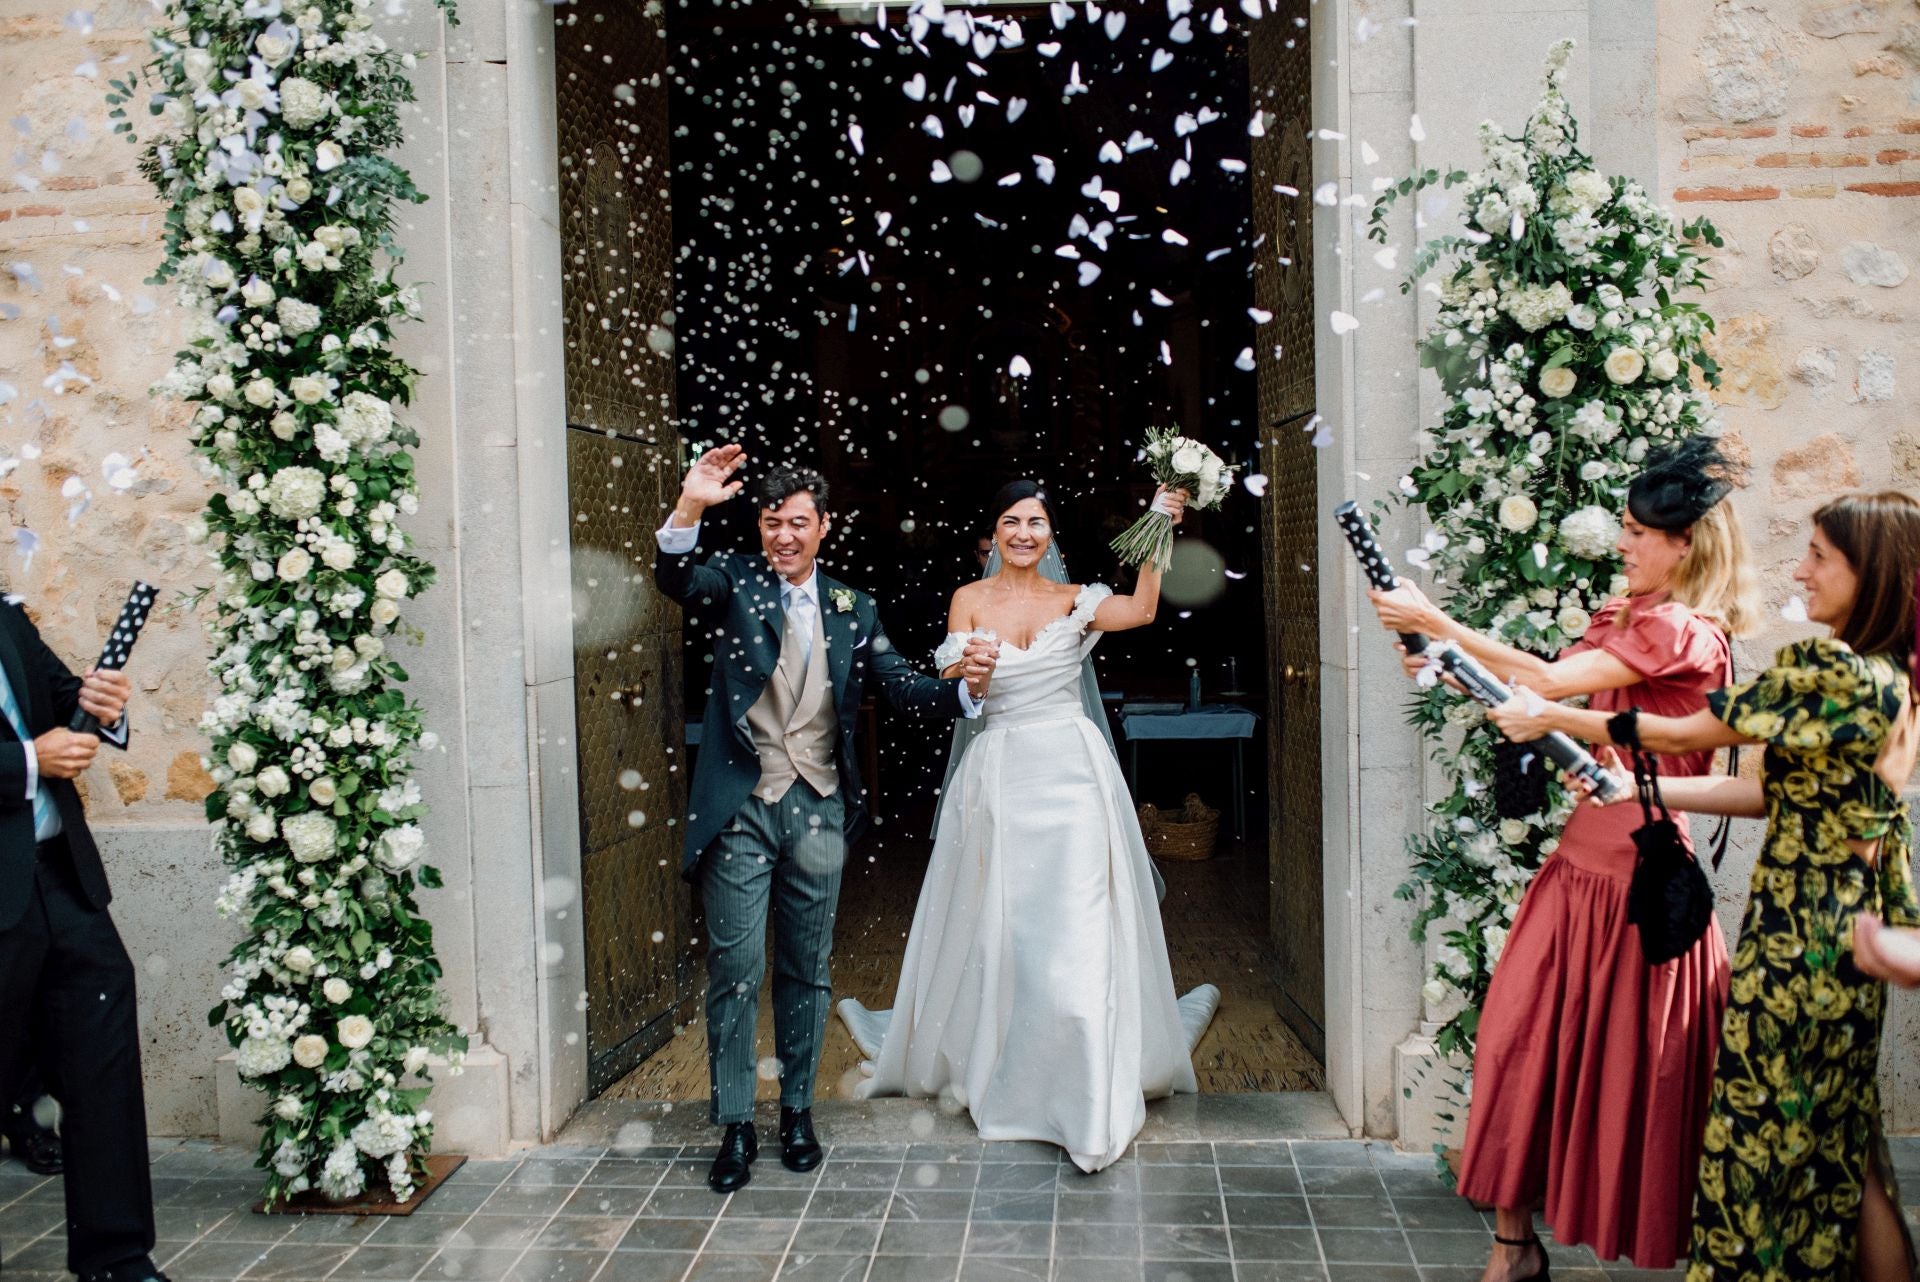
[(1119, 613)]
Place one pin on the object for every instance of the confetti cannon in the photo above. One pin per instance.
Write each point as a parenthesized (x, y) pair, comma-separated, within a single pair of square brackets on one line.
[(126, 630), (1480, 684)]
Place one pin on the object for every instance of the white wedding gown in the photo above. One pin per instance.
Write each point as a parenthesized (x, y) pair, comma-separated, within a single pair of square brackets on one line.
[(1036, 987)]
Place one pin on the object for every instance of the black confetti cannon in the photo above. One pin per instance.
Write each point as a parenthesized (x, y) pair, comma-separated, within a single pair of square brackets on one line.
[(1458, 664), (126, 630)]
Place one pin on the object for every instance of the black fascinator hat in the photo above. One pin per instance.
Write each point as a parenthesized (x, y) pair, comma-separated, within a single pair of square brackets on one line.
[(1680, 484)]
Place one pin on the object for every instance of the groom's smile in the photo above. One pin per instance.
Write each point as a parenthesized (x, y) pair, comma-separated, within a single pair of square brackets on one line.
[(790, 535)]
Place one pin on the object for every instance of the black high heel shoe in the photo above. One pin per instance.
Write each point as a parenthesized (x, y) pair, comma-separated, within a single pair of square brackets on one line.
[(1546, 1265)]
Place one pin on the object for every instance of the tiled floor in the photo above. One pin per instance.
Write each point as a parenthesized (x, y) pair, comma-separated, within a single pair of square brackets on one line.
[(1186, 1212)]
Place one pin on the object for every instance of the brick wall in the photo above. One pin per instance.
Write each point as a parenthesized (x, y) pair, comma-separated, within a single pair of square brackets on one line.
[(81, 338), (1795, 126)]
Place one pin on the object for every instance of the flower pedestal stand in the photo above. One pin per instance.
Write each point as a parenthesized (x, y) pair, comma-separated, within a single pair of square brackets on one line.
[(313, 1202)]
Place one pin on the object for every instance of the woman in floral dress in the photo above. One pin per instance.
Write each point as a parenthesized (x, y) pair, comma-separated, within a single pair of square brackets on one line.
[(1795, 1185)]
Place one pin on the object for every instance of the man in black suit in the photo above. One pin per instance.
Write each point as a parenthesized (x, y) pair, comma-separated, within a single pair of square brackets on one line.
[(66, 983)]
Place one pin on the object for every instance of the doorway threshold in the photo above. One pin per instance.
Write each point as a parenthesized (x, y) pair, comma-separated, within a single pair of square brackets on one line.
[(622, 1125)]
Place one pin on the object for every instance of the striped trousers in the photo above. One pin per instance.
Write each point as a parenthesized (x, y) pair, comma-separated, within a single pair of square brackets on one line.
[(786, 857)]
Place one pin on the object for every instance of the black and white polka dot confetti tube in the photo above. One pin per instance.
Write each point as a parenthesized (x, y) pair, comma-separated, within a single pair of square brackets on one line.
[(126, 630)]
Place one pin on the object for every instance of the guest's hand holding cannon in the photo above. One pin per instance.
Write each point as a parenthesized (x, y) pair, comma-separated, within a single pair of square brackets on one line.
[(1467, 674)]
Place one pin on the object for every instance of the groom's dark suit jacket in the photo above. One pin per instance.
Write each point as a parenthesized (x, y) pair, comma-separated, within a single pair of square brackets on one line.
[(47, 694), (740, 595)]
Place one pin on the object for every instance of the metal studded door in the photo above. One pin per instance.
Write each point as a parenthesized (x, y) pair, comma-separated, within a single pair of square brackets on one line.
[(1280, 77), (622, 464)]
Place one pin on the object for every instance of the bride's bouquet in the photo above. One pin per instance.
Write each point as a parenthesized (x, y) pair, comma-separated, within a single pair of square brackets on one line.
[(1179, 463)]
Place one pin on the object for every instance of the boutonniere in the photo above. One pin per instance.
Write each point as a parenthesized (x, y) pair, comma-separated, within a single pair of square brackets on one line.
[(842, 599)]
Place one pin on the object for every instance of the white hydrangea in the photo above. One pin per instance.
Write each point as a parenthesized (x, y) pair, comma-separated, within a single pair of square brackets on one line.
[(310, 836), (1534, 307), (296, 317), (365, 420), (296, 492), (260, 1056), (341, 1178), (1590, 533), (383, 1134), (302, 102)]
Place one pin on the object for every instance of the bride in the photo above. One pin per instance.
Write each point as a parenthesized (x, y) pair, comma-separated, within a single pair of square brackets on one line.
[(1036, 988)]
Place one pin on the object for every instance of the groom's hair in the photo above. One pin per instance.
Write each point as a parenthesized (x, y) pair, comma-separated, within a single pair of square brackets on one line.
[(782, 481)]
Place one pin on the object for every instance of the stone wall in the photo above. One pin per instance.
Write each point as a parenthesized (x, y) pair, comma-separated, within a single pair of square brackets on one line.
[(1795, 126), (81, 337)]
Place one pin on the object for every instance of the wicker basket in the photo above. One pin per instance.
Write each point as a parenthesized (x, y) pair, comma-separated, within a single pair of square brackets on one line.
[(1187, 833)]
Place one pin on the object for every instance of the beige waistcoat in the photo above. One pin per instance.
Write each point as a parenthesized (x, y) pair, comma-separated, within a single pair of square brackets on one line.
[(793, 724)]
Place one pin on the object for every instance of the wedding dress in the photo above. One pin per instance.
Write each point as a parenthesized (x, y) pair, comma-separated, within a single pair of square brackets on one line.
[(1036, 989)]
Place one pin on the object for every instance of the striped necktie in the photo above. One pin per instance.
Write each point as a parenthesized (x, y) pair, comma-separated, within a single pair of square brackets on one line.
[(46, 815)]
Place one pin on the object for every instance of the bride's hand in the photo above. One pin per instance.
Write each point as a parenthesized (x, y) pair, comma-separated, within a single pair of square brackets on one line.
[(977, 663), (1172, 502)]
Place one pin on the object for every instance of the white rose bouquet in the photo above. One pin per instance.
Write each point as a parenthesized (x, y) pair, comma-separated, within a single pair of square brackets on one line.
[(1179, 463)]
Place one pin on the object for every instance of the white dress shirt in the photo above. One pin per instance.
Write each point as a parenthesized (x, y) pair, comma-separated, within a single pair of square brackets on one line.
[(678, 540)]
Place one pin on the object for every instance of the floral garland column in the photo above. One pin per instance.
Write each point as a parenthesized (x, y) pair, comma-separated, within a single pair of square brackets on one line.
[(1564, 355), (272, 120)]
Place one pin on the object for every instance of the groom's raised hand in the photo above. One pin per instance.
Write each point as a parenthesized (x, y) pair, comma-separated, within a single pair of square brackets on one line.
[(708, 482)]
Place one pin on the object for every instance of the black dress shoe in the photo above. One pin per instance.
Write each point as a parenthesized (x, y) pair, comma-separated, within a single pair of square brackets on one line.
[(733, 1164), (139, 1269), (37, 1148), (799, 1150)]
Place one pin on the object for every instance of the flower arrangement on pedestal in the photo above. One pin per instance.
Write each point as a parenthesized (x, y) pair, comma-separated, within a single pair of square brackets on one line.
[(270, 124), (1564, 357)]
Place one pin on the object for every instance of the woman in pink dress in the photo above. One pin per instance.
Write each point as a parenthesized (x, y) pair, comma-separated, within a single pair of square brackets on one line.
[(1591, 1067)]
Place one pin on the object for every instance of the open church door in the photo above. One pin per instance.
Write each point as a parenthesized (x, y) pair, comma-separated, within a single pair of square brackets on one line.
[(1280, 76), (623, 468)]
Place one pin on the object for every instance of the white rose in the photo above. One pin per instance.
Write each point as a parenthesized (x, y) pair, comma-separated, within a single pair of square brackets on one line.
[(333, 236), (1513, 831), (1189, 459), (392, 584), (248, 202), (220, 387), (416, 1058), (273, 782), (294, 565), (338, 555), (328, 156), (256, 292), (1624, 364), (218, 274), (1574, 621), (323, 791), (1582, 316), (1434, 991), (1557, 382), (299, 959), (308, 389), (1518, 513), (284, 426), (310, 1051), (298, 189), (384, 612), (243, 758), (1664, 365), (288, 1108), (259, 392), (198, 65), (354, 1032), (337, 990), (272, 49), (260, 827)]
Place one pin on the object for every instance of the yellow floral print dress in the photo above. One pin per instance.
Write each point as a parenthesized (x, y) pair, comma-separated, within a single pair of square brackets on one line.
[(1795, 1114)]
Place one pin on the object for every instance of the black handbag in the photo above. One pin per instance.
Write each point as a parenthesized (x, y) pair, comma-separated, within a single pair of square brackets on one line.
[(1669, 899)]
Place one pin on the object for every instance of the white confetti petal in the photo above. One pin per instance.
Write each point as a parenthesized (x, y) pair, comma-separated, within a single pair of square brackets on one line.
[(1794, 611), (1110, 154), (1019, 368), (1178, 173), (1387, 259), (1161, 60), (1342, 322), (1244, 360), (941, 173), (1260, 315), (1043, 169), (1172, 237), (916, 88), (1256, 484), (1089, 273), (1016, 107), (1416, 130)]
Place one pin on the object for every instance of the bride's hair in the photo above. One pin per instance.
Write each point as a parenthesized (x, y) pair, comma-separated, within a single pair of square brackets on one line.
[(1015, 492)]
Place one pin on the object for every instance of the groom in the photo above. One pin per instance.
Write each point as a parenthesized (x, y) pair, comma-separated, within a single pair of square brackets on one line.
[(776, 796)]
